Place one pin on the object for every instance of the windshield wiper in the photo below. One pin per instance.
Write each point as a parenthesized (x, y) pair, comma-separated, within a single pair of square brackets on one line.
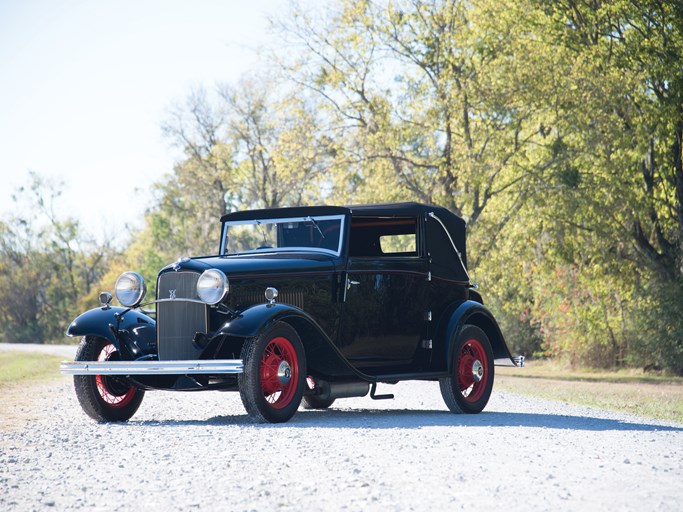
[(316, 226)]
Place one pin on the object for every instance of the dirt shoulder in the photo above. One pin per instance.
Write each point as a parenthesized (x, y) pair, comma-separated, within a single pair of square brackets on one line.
[(650, 400)]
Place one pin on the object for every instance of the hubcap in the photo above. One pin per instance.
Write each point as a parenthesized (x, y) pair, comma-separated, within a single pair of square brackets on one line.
[(284, 373), (477, 371)]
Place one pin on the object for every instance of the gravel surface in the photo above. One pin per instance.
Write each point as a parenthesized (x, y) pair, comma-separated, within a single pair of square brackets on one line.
[(185, 451)]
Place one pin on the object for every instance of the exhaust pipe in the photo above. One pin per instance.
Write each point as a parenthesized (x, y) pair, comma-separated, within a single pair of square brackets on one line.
[(333, 390)]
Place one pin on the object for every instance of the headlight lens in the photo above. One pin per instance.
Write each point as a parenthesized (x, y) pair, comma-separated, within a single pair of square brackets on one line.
[(212, 286), (130, 289)]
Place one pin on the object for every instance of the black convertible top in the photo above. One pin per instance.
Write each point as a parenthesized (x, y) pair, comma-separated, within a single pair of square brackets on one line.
[(444, 228)]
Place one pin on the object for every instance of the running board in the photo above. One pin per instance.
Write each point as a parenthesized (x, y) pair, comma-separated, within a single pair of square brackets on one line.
[(191, 367)]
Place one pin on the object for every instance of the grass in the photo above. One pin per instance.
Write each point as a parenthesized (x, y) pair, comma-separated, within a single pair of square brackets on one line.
[(631, 391), (27, 366)]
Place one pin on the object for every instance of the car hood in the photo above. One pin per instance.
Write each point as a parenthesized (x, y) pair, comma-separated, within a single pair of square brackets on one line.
[(257, 264)]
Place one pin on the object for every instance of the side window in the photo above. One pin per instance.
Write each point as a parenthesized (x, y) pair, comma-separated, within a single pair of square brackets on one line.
[(398, 243), (375, 237)]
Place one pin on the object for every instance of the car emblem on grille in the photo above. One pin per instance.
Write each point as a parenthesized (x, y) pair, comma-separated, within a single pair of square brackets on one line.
[(171, 294)]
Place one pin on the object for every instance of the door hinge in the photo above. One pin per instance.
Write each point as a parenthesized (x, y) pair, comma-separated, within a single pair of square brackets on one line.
[(427, 344), (428, 316)]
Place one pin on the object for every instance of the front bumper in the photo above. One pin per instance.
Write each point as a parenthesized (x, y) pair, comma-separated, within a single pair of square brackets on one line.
[(194, 367)]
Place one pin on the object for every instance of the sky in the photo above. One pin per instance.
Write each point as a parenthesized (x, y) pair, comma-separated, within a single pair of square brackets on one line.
[(85, 86)]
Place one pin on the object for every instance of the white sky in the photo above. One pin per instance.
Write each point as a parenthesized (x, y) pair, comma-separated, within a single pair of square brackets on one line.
[(85, 86)]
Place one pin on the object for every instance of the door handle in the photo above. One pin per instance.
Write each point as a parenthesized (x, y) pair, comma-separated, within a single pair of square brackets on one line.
[(349, 282)]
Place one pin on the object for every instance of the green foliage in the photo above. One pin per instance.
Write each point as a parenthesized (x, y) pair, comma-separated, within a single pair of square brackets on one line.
[(554, 128), (657, 328), (47, 267)]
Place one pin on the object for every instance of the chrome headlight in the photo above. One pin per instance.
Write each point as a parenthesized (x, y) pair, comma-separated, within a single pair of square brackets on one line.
[(130, 289), (212, 286)]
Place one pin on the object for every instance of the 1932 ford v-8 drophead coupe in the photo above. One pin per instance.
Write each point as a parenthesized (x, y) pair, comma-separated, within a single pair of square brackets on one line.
[(301, 305)]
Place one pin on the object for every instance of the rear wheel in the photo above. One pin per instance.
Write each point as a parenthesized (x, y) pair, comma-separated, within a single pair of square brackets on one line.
[(103, 397), (468, 389), (273, 380)]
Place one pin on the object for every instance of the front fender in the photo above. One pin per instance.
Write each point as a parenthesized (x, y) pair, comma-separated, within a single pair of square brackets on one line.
[(322, 356), (473, 313), (132, 332), (254, 320)]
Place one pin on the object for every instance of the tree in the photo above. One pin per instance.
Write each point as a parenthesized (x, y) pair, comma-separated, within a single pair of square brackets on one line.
[(420, 98), (608, 211), (47, 265)]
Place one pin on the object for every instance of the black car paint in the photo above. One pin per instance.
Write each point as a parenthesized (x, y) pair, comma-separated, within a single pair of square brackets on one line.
[(398, 322)]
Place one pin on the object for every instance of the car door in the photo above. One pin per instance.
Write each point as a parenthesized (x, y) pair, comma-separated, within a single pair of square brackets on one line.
[(383, 320)]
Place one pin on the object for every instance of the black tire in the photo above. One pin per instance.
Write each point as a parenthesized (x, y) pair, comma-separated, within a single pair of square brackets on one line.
[(468, 389), (274, 376), (104, 398)]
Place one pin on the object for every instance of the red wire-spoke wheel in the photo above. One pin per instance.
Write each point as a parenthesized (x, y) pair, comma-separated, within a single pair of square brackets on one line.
[(279, 372), (274, 376), (472, 370), (114, 392), (468, 389), (103, 397)]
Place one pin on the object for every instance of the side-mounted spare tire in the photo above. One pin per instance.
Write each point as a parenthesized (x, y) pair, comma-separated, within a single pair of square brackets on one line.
[(105, 397), (274, 376), (468, 388)]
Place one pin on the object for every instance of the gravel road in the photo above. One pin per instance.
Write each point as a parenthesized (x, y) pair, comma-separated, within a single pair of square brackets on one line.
[(198, 451)]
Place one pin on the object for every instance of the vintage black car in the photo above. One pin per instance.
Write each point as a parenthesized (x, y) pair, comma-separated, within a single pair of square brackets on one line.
[(300, 306)]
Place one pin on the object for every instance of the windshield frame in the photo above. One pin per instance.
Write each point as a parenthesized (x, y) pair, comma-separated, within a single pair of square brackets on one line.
[(276, 220)]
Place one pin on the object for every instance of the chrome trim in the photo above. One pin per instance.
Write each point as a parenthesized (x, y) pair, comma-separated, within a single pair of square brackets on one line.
[(141, 294), (437, 219), (190, 367), (105, 299), (180, 299), (271, 294), (224, 279), (276, 220)]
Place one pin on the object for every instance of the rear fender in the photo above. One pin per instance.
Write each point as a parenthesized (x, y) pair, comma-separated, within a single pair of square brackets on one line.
[(472, 313), (322, 356), (132, 332)]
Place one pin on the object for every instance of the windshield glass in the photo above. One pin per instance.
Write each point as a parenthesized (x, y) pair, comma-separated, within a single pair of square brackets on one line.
[(300, 233)]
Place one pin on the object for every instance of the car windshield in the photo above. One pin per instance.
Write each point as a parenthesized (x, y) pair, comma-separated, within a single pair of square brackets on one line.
[(322, 233)]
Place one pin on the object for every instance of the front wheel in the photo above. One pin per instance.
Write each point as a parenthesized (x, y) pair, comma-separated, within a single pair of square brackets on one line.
[(274, 376), (468, 389), (103, 397)]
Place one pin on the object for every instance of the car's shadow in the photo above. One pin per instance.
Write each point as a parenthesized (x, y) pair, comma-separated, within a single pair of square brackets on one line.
[(414, 419)]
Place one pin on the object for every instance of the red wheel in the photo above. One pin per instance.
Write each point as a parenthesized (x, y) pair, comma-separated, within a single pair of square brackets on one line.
[(113, 391), (104, 397), (279, 372), (472, 370), (469, 387), (274, 376)]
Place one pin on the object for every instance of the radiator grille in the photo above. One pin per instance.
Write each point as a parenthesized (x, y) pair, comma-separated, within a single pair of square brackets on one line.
[(178, 321)]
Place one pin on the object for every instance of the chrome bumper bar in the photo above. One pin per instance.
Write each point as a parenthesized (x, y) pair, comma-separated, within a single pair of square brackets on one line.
[(203, 366)]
